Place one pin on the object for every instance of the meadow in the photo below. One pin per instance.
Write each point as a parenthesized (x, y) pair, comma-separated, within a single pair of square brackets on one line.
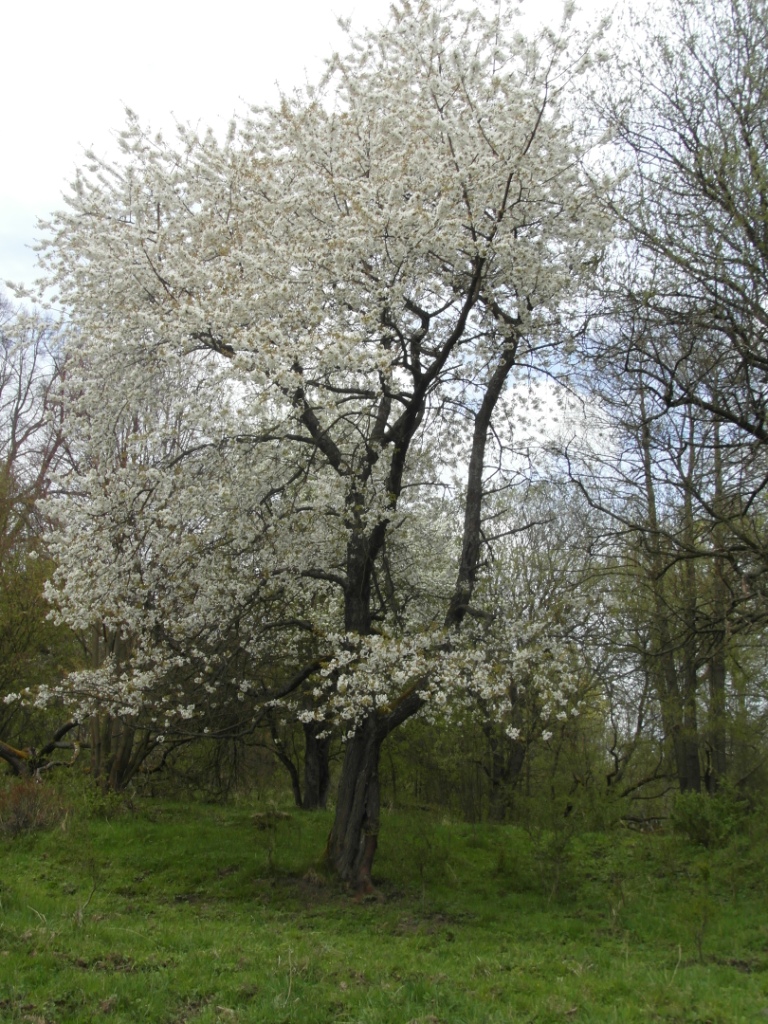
[(173, 912)]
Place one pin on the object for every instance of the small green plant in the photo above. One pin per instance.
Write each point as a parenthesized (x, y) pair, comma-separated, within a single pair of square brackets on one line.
[(702, 908), (552, 850), (27, 805), (91, 801)]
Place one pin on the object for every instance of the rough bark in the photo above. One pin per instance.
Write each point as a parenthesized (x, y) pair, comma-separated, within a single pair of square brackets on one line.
[(354, 835)]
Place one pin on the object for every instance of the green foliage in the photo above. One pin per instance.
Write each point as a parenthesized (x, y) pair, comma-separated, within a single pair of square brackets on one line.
[(708, 821), (33, 650), (91, 801)]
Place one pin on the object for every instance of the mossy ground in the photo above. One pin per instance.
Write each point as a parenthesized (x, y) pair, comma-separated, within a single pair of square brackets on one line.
[(174, 913)]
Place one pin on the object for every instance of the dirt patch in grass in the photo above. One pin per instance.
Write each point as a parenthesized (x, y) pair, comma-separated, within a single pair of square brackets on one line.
[(745, 966), (428, 924), (188, 1010), (113, 963)]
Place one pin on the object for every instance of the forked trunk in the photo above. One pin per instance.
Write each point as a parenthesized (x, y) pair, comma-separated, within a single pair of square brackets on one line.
[(355, 832)]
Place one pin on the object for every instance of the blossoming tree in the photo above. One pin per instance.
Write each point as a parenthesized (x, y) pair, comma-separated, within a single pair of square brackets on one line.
[(332, 302)]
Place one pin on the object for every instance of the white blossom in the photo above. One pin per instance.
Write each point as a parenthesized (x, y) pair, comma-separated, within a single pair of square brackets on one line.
[(244, 336)]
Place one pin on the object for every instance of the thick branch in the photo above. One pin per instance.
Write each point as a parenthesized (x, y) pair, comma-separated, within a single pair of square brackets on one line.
[(470, 552)]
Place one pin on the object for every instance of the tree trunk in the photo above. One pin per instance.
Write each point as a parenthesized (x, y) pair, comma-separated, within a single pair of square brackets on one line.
[(473, 502), (316, 772), (717, 709), (678, 710), (691, 615), (18, 760), (118, 749), (360, 556), (505, 764), (355, 832), (676, 684), (285, 759), (716, 666), (689, 771)]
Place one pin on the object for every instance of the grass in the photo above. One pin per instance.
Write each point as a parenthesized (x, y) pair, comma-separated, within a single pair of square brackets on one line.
[(173, 913)]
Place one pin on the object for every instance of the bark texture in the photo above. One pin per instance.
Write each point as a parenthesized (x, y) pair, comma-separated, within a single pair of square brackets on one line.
[(354, 835)]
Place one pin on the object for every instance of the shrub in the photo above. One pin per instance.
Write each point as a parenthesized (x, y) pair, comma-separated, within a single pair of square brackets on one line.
[(708, 821), (28, 806)]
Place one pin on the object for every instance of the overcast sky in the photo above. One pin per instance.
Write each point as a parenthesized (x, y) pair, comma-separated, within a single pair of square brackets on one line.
[(69, 69)]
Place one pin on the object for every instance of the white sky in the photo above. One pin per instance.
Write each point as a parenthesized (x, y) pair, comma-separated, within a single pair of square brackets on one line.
[(69, 69)]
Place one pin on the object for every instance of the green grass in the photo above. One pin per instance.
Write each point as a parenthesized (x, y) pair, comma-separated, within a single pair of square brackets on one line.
[(174, 913)]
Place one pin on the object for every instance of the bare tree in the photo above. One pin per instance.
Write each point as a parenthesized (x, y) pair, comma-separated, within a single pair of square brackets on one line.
[(32, 649), (690, 118)]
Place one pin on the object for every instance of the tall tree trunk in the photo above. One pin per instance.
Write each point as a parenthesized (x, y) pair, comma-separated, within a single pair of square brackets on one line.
[(677, 697), (717, 709), (118, 747), (473, 502), (716, 666), (354, 834), (690, 646), (360, 557), (689, 772)]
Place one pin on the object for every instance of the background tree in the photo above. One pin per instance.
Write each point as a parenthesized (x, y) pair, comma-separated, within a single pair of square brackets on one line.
[(662, 477), (682, 470), (33, 652), (688, 115)]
